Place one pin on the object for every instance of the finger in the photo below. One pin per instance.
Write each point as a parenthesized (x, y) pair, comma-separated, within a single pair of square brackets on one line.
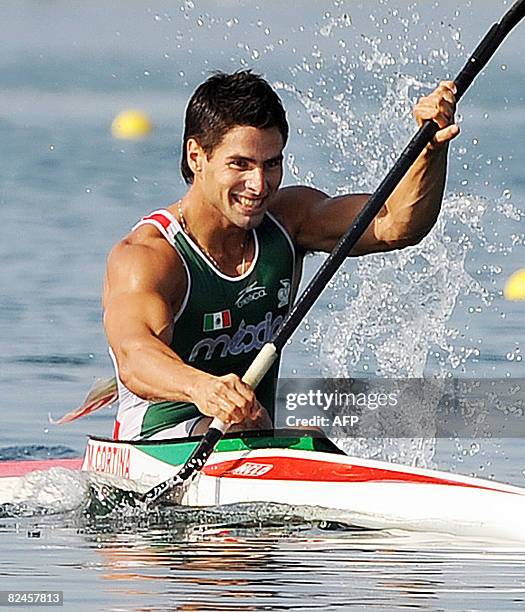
[(440, 101), (443, 120), (243, 407), (247, 395), (222, 415), (435, 104), (234, 383), (245, 390), (235, 407), (447, 134), (446, 100), (232, 414), (450, 85), (443, 115), (234, 391), (255, 411)]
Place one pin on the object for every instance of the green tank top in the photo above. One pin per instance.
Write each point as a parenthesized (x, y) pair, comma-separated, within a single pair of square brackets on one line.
[(224, 321)]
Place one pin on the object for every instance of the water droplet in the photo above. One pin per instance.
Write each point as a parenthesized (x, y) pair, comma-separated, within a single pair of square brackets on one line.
[(456, 35), (255, 54), (504, 66), (474, 449)]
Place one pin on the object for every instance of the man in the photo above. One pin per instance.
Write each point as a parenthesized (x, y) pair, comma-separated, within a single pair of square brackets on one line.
[(195, 290)]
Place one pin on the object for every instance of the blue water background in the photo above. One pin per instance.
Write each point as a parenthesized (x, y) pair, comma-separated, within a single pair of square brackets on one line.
[(68, 192)]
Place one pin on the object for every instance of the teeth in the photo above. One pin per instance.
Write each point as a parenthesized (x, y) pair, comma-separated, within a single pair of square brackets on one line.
[(248, 202)]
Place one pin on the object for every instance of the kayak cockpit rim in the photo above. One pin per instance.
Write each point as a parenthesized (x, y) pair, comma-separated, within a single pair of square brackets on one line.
[(254, 438)]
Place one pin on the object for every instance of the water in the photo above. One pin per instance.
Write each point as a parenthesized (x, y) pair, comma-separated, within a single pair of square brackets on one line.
[(348, 73)]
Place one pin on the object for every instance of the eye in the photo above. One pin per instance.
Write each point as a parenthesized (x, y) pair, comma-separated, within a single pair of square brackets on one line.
[(274, 163), (241, 164)]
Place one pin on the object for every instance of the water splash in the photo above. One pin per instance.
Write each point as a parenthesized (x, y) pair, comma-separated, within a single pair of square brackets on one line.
[(399, 310), (50, 492)]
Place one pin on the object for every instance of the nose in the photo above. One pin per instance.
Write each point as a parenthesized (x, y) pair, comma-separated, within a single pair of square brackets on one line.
[(256, 180)]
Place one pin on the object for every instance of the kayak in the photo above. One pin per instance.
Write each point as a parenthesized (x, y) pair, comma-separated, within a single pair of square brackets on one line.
[(296, 468)]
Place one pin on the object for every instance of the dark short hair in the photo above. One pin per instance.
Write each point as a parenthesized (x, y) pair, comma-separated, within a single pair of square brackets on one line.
[(224, 101)]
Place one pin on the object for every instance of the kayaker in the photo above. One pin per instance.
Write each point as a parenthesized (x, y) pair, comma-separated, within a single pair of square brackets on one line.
[(195, 290)]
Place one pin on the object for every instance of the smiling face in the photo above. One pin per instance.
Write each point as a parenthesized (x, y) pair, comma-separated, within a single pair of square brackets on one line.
[(241, 173)]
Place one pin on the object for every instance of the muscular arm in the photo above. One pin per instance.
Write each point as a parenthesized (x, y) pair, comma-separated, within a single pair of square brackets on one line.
[(317, 221), (144, 285)]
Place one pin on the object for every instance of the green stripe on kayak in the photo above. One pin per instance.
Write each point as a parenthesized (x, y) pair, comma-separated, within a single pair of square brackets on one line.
[(177, 453)]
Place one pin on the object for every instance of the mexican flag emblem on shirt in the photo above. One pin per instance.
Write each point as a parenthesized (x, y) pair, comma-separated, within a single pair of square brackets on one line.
[(217, 320)]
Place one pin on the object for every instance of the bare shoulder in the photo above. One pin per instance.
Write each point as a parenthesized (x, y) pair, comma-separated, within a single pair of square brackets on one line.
[(316, 221), (144, 262), (292, 205)]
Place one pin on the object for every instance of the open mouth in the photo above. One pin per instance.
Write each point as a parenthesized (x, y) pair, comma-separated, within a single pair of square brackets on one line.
[(248, 205)]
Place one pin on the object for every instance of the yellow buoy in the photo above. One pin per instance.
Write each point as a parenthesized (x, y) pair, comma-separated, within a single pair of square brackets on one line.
[(515, 286), (131, 125)]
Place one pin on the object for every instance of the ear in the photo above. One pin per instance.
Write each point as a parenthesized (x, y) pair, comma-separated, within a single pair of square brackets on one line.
[(195, 155)]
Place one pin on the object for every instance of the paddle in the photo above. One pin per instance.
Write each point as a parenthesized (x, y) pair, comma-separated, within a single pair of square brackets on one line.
[(270, 351), (103, 393)]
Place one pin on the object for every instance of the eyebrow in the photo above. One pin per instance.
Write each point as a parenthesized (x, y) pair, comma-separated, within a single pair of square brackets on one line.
[(279, 157)]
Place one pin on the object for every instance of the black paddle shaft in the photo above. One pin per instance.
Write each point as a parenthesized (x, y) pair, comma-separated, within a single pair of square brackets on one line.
[(477, 61), (194, 464)]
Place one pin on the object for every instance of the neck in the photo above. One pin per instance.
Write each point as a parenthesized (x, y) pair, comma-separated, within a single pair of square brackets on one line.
[(212, 229), (229, 248)]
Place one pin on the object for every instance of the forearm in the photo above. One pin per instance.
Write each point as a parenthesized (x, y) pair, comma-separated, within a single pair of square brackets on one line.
[(151, 370), (413, 208)]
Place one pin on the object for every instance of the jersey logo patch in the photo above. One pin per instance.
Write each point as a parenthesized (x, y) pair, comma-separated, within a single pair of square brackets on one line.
[(217, 320), (249, 294), (283, 295), (244, 340)]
